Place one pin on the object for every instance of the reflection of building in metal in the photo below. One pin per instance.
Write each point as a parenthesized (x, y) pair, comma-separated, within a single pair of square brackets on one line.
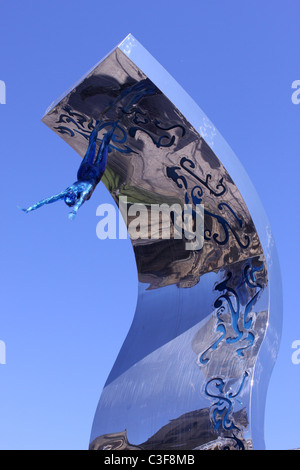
[(207, 324), (113, 441), (226, 443), (189, 431)]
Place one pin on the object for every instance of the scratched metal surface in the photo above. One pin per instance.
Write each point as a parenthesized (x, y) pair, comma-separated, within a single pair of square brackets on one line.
[(193, 370)]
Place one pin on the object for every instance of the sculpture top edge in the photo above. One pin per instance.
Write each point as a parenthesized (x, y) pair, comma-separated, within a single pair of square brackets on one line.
[(131, 47)]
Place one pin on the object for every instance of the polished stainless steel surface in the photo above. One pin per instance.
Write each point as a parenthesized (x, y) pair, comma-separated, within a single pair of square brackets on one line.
[(194, 368)]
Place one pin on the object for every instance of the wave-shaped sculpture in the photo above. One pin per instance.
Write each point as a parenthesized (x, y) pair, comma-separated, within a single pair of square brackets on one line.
[(194, 368)]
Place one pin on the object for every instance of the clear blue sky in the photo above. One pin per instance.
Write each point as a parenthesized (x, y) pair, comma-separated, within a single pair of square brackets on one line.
[(67, 298)]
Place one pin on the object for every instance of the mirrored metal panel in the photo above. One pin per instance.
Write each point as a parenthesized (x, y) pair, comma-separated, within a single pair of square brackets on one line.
[(194, 368)]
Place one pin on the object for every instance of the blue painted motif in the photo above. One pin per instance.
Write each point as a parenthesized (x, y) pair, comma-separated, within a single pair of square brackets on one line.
[(135, 93), (118, 139), (195, 195), (241, 318), (205, 182), (222, 409)]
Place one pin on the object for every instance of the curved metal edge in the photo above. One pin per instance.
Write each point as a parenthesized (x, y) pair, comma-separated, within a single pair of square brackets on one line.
[(269, 348)]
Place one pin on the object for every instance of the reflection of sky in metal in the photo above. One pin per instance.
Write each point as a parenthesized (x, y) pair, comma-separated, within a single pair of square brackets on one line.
[(150, 388), (144, 381), (143, 389), (163, 314)]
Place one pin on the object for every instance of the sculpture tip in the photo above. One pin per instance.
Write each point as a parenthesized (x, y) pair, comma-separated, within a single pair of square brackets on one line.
[(22, 209)]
